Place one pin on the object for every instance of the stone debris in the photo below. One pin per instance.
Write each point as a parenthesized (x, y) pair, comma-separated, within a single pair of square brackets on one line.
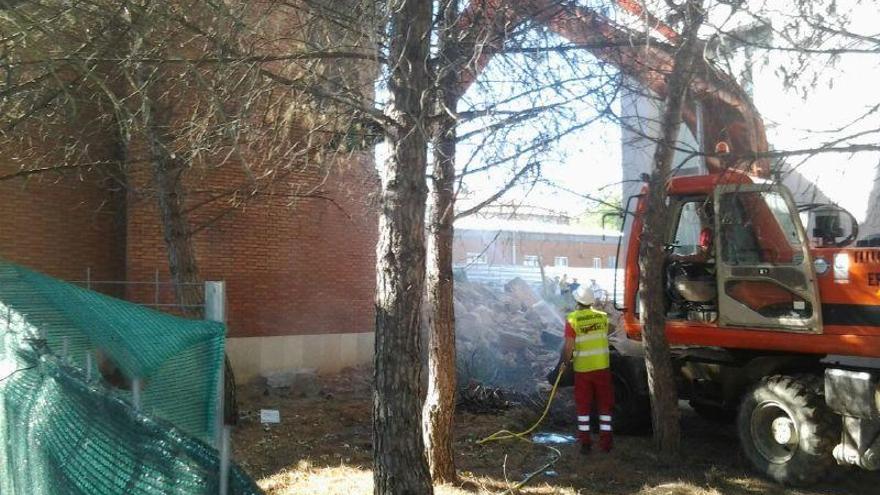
[(507, 338), (479, 399), (297, 382), (512, 338)]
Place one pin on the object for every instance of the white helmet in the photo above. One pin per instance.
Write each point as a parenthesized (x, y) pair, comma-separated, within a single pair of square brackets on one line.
[(584, 295)]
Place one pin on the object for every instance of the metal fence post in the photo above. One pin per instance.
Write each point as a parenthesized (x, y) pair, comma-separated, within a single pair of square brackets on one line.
[(225, 455), (215, 310), (88, 366), (215, 301), (136, 388)]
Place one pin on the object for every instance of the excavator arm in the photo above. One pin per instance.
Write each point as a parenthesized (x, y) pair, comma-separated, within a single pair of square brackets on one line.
[(728, 113)]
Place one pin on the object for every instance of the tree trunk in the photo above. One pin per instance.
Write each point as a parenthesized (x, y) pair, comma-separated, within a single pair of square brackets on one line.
[(439, 410), (399, 460), (652, 256), (168, 171), (171, 197)]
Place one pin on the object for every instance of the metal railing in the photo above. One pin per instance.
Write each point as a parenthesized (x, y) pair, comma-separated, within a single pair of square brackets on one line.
[(155, 293), (498, 275)]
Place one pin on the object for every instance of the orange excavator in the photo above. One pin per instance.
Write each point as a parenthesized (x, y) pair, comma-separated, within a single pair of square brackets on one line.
[(777, 323), (774, 327)]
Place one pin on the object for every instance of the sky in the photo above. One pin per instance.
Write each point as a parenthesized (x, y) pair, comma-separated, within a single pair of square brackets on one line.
[(846, 89), (796, 123), (585, 161), (588, 161)]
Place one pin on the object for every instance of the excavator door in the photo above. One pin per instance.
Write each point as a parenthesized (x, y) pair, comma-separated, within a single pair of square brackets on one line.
[(764, 272)]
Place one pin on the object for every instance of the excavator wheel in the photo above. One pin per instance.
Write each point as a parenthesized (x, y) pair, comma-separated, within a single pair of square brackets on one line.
[(786, 429), (632, 405)]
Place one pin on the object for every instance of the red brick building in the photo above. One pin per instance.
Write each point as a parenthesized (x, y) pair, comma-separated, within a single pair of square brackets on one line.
[(300, 277), (297, 253), (494, 241)]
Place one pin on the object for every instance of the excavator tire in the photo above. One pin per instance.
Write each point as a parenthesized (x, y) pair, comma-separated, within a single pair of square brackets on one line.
[(632, 404), (786, 429)]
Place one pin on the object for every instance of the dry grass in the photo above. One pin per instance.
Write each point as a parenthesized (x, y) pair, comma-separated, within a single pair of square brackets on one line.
[(323, 447), (305, 479), (678, 488)]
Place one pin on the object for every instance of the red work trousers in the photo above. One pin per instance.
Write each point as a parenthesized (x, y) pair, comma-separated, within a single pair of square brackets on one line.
[(588, 386)]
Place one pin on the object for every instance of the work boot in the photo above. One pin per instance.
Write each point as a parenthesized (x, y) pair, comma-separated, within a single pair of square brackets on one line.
[(585, 448)]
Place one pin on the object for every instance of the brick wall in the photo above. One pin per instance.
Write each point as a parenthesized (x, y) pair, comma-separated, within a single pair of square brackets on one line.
[(292, 266), (499, 248), (62, 223), (62, 226)]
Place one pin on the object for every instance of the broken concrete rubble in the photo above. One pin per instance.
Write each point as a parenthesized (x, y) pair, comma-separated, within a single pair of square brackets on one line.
[(512, 338), (499, 335), (297, 382)]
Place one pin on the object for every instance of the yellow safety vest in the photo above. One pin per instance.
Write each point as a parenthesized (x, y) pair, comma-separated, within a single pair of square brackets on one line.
[(590, 339)]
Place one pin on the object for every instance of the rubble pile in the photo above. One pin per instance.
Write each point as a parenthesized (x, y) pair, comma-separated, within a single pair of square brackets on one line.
[(511, 339), (297, 382), (480, 399), (508, 339)]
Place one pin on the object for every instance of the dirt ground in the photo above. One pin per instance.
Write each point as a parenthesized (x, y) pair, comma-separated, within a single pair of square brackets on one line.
[(322, 445)]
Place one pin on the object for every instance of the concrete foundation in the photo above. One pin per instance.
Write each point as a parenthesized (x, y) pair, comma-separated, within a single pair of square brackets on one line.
[(251, 356)]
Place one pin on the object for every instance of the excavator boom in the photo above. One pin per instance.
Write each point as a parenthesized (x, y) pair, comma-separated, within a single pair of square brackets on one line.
[(728, 113)]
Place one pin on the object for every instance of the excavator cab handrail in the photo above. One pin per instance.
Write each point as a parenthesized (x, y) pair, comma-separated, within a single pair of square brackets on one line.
[(625, 212)]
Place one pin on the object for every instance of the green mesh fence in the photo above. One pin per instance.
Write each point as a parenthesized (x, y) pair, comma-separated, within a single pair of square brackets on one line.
[(178, 361), (65, 429)]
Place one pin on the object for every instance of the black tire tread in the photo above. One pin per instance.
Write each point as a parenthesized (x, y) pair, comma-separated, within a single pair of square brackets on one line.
[(633, 418), (801, 393)]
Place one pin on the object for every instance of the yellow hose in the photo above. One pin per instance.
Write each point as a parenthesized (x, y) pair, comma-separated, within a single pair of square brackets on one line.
[(507, 434)]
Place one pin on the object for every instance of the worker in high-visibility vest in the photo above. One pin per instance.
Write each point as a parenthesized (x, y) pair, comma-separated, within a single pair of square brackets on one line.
[(586, 347)]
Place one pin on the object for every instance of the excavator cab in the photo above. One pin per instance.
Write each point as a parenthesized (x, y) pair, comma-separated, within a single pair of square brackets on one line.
[(690, 267), (755, 273), (764, 272), (750, 339)]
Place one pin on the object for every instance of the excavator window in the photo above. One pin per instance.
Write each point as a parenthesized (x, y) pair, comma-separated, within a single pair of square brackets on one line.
[(692, 241), (687, 234), (689, 275), (763, 270), (738, 241), (756, 227)]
